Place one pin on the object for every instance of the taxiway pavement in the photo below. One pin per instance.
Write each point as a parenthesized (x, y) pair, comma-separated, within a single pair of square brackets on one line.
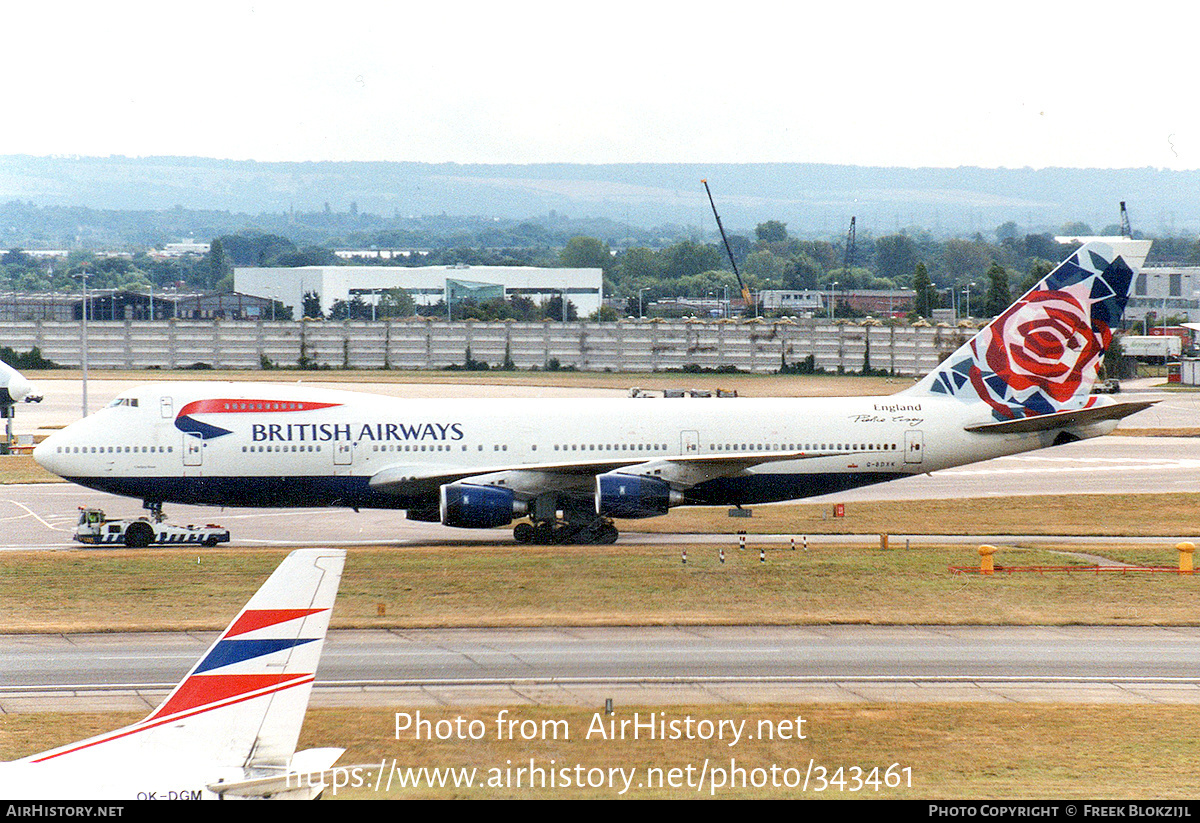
[(639, 665)]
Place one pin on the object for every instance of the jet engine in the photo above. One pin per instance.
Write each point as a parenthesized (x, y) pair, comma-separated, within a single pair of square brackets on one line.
[(466, 506), (630, 496)]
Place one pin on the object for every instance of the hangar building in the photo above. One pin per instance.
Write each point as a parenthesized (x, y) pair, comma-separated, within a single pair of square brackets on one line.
[(426, 284)]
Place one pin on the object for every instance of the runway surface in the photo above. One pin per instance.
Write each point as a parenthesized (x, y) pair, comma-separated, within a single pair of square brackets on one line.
[(690, 664)]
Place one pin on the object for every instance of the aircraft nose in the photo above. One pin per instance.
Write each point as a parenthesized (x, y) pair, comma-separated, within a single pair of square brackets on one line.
[(18, 387), (46, 454), (13, 387)]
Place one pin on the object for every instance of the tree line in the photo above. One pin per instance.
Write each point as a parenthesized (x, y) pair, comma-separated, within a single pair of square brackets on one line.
[(987, 272)]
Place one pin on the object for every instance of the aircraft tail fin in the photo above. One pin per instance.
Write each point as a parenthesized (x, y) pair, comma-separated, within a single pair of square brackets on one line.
[(1043, 354), (240, 708)]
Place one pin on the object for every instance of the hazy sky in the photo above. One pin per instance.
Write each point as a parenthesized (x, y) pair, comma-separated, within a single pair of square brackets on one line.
[(867, 83)]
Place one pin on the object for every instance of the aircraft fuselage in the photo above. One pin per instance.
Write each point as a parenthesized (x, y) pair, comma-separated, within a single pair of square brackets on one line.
[(257, 444)]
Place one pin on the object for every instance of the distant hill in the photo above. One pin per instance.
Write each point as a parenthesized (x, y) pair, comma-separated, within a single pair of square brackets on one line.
[(814, 200)]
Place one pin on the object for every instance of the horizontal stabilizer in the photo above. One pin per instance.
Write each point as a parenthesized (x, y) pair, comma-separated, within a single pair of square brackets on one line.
[(298, 782), (1062, 419)]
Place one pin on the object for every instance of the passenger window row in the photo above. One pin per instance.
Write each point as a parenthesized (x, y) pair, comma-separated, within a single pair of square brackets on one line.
[(113, 449), (806, 447), (611, 447)]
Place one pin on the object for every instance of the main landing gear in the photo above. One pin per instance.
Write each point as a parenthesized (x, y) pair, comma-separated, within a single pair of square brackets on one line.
[(597, 531)]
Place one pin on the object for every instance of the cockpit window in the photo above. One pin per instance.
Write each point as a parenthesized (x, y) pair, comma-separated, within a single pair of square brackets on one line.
[(124, 401)]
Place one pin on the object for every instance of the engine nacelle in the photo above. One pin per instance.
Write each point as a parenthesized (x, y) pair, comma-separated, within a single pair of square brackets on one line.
[(465, 506), (631, 496)]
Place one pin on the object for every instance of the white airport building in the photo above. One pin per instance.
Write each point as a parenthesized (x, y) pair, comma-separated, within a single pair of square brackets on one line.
[(1165, 291), (426, 284)]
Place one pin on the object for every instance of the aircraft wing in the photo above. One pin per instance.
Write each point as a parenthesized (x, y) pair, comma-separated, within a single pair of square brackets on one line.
[(533, 479), (1062, 419)]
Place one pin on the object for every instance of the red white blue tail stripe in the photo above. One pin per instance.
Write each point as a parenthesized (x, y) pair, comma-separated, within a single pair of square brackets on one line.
[(242, 705), (248, 665)]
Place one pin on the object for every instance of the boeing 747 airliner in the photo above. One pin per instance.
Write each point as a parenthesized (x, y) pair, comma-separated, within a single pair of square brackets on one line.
[(573, 466)]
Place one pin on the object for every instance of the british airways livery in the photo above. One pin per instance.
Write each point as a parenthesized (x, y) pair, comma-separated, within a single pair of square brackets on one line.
[(229, 729), (572, 467)]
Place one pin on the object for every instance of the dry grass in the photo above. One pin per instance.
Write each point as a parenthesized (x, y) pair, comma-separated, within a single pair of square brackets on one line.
[(954, 750), (161, 589), (747, 385), (1184, 431), (1084, 514), (20, 468)]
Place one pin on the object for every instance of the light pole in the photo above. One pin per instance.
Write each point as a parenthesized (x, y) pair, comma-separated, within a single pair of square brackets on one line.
[(1166, 289), (82, 278), (641, 311), (832, 286)]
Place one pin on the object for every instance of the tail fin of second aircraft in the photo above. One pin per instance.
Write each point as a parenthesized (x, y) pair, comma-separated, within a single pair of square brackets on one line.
[(237, 714), (1042, 355)]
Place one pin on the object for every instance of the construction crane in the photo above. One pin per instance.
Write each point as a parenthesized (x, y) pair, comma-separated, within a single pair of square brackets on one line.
[(745, 291), (1126, 229), (849, 247)]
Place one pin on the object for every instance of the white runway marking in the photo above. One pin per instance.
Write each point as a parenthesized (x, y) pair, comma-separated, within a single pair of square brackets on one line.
[(29, 513)]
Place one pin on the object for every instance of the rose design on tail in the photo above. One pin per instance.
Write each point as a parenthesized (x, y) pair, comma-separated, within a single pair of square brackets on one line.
[(1044, 349), (1043, 354)]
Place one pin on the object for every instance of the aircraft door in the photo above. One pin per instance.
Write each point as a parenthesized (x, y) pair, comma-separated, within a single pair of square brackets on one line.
[(165, 408), (914, 446), (193, 449), (689, 443), (343, 453)]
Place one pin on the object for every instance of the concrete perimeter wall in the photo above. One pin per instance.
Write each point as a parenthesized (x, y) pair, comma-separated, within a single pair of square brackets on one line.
[(627, 346)]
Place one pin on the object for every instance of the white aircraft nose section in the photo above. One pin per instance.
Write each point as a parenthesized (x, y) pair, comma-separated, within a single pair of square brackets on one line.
[(46, 455), (19, 388), (13, 384)]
